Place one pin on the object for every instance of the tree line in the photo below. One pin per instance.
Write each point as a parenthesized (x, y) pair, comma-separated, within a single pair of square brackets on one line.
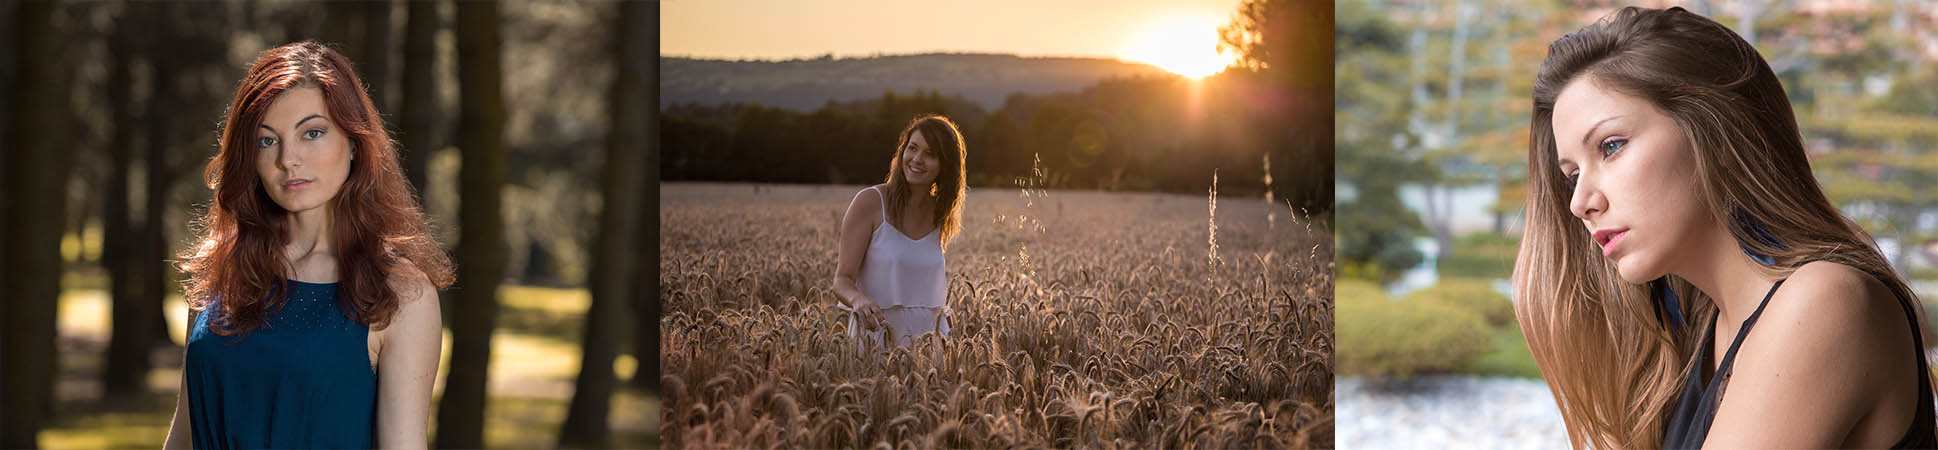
[(1141, 133)]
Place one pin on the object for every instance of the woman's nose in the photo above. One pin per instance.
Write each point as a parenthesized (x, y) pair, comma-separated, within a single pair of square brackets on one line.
[(290, 159), (1586, 201)]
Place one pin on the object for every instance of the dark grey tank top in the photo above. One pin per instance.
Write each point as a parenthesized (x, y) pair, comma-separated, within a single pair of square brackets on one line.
[(1695, 408)]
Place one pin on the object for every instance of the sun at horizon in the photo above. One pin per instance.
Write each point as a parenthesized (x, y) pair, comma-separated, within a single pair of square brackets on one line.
[(1183, 45)]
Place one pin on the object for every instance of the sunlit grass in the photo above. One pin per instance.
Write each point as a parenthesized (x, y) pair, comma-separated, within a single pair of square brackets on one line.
[(132, 429)]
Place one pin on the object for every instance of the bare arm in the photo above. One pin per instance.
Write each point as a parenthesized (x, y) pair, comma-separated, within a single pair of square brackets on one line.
[(178, 427), (856, 229), (407, 366), (1827, 355), (178, 433)]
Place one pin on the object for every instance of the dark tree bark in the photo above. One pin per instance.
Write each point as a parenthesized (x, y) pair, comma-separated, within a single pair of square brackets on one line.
[(361, 31), (481, 244), (166, 46), (376, 53), (125, 371), (149, 267), (35, 202), (614, 263), (646, 334), (420, 110)]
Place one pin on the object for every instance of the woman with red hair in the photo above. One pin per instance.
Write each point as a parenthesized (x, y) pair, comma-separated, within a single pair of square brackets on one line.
[(315, 280)]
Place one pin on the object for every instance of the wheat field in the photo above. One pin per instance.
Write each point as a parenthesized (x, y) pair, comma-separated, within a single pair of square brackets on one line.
[(1081, 319)]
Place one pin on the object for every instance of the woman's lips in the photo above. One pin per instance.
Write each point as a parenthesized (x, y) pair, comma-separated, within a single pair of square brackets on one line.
[(296, 184), (1609, 239)]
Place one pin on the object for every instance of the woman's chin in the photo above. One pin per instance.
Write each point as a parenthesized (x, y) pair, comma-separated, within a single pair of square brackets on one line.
[(297, 204), (1633, 271)]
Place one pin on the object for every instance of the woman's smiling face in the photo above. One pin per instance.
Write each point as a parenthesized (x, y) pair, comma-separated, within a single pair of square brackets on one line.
[(302, 156), (919, 163), (1634, 178)]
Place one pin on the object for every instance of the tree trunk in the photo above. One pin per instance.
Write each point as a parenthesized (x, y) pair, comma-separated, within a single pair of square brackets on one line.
[(152, 247), (481, 244), (646, 334), (35, 201), (376, 53), (614, 264), (419, 127), (361, 31), (124, 373)]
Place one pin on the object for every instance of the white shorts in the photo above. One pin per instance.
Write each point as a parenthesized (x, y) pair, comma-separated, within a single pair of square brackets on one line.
[(907, 323)]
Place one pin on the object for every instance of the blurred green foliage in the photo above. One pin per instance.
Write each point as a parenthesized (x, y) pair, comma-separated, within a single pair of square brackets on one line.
[(1380, 337), (1468, 294)]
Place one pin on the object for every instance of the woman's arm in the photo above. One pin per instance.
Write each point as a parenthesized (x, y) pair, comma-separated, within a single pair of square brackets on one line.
[(178, 437), (178, 426), (856, 229), (1828, 355), (407, 366)]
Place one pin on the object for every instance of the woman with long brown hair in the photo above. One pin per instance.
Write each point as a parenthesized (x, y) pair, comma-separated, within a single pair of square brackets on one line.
[(1682, 280), (314, 284), (891, 269)]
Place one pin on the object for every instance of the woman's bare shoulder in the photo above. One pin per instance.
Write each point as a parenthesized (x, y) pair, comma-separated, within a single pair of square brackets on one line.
[(1831, 344), (1831, 287), (411, 284), (1844, 313), (867, 202)]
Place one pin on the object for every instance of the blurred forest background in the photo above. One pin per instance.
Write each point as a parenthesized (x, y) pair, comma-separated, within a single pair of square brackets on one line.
[(1433, 107), (524, 126)]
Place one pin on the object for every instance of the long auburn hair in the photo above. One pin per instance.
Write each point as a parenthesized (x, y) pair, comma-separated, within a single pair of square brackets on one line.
[(1613, 365), (379, 230), (949, 187)]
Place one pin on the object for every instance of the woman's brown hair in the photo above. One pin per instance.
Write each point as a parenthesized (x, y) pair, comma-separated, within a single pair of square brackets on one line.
[(1613, 365), (946, 141), (379, 230)]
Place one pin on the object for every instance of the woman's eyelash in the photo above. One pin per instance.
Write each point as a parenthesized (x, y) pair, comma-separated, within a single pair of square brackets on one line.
[(1608, 147), (1612, 145), (313, 133), (266, 142)]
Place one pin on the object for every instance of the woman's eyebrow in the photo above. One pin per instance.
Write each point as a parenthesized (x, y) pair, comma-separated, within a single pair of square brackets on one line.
[(299, 123), (1585, 137)]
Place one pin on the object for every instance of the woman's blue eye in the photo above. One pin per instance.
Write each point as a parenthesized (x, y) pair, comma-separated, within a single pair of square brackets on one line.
[(1611, 146), (313, 134), (1572, 179), (267, 142)]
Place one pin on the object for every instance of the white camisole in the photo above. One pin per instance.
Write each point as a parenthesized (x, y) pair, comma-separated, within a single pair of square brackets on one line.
[(899, 271), (906, 279)]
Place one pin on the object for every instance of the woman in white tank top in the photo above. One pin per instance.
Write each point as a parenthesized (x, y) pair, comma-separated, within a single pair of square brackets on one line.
[(891, 271)]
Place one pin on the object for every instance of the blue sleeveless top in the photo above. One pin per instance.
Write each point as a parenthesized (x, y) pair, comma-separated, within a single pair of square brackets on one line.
[(303, 381)]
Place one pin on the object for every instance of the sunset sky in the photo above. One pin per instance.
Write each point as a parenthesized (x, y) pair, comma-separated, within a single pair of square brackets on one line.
[(1175, 34)]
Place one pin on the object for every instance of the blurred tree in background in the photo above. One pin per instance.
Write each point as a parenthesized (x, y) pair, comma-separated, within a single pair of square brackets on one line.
[(615, 261), (481, 247), (36, 166)]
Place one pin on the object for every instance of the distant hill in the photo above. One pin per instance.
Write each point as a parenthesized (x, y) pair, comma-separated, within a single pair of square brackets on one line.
[(806, 84)]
